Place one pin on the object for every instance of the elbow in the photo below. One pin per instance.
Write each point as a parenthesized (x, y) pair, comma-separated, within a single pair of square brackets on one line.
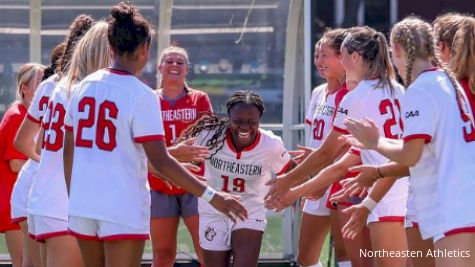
[(18, 145), (410, 161)]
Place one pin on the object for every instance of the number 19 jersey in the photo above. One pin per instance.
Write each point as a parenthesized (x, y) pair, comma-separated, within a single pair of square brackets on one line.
[(244, 173)]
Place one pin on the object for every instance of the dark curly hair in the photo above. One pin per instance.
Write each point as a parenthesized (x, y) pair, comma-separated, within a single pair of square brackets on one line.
[(127, 28), (80, 25), (55, 55), (217, 125)]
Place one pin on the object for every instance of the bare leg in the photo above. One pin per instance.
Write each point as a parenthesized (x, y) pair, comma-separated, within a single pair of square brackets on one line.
[(313, 231), (92, 253), (14, 242), (164, 240), (246, 245), (124, 253)]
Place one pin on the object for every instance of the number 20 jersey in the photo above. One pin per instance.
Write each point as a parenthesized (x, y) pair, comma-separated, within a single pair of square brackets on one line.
[(244, 173)]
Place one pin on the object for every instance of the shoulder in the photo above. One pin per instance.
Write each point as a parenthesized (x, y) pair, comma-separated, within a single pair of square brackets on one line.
[(321, 89), (15, 113), (269, 138)]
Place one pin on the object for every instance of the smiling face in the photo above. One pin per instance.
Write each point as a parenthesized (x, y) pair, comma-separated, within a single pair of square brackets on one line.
[(174, 67), (317, 61), (244, 124), (331, 61)]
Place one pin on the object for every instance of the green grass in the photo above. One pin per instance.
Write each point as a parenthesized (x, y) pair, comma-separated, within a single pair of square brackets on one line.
[(272, 243)]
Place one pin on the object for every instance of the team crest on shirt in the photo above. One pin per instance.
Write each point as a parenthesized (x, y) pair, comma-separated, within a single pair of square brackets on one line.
[(210, 233)]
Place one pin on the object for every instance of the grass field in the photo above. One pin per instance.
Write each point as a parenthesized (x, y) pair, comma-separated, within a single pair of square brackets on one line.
[(272, 243)]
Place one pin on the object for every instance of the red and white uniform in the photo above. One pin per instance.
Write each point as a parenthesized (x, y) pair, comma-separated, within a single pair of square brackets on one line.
[(320, 115), (110, 114), (8, 128), (443, 181), (383, 107), (177, 115), (245, 173), (48, 194), (36, 111)]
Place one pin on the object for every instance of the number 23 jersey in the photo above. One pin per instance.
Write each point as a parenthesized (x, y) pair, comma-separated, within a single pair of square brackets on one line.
[(246, 172)]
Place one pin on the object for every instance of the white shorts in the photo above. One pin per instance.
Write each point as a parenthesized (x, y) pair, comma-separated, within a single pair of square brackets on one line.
[(469, 228), (91, 229), (19, 199), (215, 231), (317, 207), (410, 220), (41, 228), (394, 211)]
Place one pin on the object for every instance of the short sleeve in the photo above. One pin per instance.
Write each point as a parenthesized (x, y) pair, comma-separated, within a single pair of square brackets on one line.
[(12, 127), (280, 158), (311, 107), (146, 116), (38, 104), (418, 116), (349, 108)]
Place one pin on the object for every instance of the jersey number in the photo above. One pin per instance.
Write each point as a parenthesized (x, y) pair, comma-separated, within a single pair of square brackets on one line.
[(104, 124), (237, 184), (318, 126), (386, 107), (57, 113)]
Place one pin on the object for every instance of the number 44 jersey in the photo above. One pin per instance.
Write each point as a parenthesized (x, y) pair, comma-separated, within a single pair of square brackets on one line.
[(244, 173)]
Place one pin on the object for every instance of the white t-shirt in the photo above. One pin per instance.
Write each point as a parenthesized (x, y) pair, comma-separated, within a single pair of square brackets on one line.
[(36, 111), (443, 181), (320, 114), (111, 113), (39, 103), (48, 194), (244, 173), (383, 107)]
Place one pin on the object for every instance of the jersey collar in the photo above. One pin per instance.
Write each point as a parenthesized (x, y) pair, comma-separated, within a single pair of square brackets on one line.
[(229, 141)]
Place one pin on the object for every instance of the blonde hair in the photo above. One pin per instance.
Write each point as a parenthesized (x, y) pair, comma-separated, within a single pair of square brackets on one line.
[(174, 49), (463, 58), (373, 48), (415, 37), (91, 54), (445, 26), (27, 72)]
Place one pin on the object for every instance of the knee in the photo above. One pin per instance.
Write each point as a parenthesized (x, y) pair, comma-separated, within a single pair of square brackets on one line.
[(340, 254), (163, 257)]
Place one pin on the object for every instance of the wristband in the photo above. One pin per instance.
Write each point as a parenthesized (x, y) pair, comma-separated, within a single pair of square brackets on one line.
[(208, 194), (369, 203)]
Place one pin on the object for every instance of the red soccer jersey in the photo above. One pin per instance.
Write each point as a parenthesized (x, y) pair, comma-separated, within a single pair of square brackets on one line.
[(468, 92), (177, 115), (8, 128)]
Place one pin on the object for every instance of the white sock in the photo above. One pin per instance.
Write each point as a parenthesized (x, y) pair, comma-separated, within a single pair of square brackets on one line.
[(318, 264), (344, 264)]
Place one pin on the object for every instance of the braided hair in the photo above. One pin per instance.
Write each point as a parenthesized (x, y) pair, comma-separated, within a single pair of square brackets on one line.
[(218, 125), (77, 29), (415, 37)]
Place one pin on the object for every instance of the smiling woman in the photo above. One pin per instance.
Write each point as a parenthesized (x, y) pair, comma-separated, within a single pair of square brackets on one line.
[(242, 159)]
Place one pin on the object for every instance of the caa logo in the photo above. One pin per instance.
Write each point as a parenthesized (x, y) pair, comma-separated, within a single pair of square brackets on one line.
[(412, 114), (342, 110)]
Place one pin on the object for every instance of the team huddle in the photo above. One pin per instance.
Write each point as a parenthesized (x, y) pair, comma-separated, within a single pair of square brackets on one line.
[(95, 162)]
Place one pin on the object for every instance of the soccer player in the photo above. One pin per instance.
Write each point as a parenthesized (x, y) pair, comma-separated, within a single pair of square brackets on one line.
[(242, 159), (113, 124)]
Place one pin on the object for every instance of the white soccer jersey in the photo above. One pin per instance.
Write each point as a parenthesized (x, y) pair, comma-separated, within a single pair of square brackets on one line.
[(39, 103), (110, 114), (383, 107), (244, 173), (443, 181), (36, 111), (320, 114), (48, 195)]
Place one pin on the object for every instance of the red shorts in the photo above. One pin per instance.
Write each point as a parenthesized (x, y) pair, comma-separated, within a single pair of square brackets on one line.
[(335, 188)]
